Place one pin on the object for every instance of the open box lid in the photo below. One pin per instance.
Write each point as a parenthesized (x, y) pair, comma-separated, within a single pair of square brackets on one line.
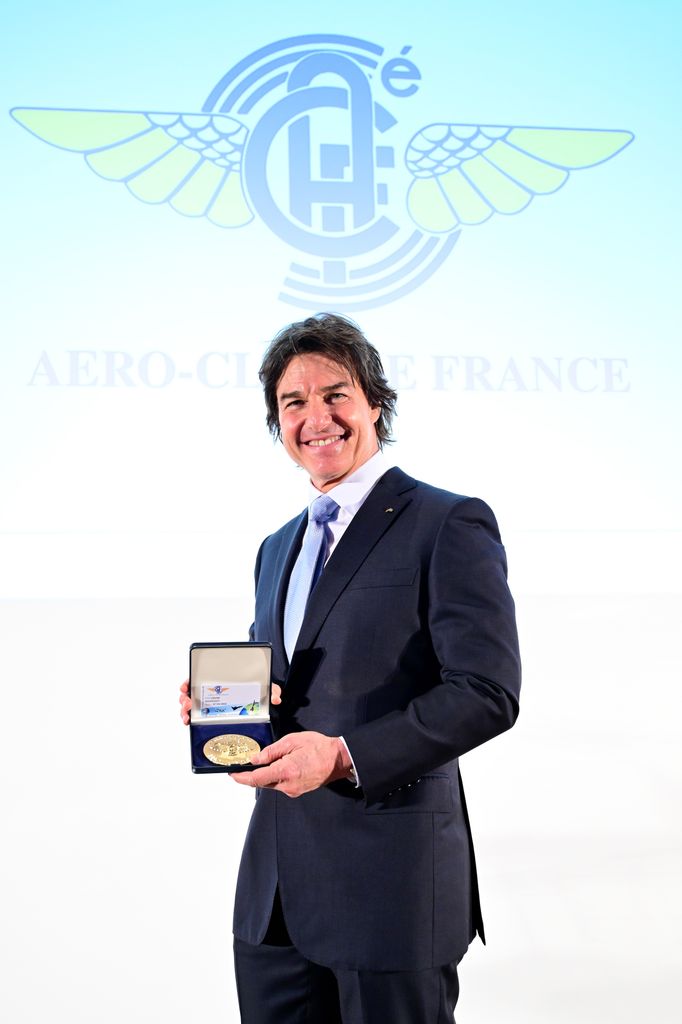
[(230, 682)]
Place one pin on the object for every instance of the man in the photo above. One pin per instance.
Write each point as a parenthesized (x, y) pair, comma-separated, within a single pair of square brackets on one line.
[(357, 891)]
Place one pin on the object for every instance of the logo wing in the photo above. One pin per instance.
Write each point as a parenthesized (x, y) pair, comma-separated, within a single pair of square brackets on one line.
[(465, 173), (190, 161)]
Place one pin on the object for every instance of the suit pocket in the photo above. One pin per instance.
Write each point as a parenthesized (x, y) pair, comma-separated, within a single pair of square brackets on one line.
[(383, 578), (429, 793)]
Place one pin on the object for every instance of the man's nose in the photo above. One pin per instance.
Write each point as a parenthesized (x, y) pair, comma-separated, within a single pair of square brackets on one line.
[(319, 415)]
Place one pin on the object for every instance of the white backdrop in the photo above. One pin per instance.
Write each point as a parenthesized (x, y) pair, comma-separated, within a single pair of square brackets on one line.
[(138, 480)]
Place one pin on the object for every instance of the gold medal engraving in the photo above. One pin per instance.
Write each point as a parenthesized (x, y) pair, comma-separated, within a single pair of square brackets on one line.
[(231, 748)]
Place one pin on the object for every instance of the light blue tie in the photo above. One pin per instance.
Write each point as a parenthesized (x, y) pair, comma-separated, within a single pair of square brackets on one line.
[(307, 568)]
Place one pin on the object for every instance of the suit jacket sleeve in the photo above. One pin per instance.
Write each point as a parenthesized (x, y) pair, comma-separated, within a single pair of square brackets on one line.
[(471, 625)]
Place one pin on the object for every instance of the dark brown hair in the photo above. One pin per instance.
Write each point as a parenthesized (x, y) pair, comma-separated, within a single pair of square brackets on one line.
[(340, 340)]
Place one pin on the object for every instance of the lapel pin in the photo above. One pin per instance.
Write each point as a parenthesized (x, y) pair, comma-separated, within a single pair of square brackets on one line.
[(388, 510)]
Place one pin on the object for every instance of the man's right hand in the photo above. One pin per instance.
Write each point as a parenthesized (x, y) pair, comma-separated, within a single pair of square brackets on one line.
[(186, 702)]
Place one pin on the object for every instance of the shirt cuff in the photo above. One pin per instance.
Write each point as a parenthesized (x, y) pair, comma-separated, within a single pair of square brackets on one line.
[(352, 774)]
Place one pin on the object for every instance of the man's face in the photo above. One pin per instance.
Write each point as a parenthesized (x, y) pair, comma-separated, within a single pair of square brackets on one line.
[(326, 421)]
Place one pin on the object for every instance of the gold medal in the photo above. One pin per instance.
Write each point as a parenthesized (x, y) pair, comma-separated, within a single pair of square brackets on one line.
[(231, 748)]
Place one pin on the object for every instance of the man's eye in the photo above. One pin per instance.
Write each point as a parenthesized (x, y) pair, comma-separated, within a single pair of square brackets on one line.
[(336, 395)]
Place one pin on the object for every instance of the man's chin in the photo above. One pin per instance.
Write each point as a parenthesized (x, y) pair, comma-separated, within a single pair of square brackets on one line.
[(323, 479)]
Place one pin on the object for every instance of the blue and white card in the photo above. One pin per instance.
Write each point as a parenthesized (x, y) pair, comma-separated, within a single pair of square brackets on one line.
[(238, 699)]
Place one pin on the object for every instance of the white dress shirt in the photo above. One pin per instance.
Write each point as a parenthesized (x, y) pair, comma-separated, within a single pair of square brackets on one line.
[(350, 495)]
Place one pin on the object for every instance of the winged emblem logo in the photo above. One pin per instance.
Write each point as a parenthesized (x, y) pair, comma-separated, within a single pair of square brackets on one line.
[(300, 135)]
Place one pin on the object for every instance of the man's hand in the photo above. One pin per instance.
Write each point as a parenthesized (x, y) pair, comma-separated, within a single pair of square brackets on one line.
[(297, 763), (186, 703)]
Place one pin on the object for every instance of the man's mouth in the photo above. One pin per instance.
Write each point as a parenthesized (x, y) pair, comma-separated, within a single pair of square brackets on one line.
[(322, 442)]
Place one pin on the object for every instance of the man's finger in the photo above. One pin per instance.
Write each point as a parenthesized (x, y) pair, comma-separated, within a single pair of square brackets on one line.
[(273, 752), (185, 706), (262, 777), (243, 778)]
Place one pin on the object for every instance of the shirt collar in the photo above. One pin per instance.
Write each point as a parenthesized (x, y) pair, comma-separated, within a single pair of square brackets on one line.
[(352, 491)]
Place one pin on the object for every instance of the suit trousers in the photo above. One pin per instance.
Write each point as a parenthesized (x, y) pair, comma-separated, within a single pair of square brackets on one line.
[(278, 985)]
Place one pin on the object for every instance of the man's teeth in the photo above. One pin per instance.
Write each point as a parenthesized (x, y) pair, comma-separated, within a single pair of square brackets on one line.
[(324, 441)]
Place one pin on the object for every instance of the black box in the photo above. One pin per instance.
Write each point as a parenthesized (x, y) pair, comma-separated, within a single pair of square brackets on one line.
[(229, 686)]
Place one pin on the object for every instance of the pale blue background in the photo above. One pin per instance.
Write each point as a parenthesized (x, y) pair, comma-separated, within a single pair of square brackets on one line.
[(126, 532)]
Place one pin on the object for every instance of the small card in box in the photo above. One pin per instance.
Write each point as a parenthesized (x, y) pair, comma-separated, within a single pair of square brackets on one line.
[(229, 686)]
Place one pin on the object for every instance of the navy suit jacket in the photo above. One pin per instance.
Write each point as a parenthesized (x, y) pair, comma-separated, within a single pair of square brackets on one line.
[(409, 651)]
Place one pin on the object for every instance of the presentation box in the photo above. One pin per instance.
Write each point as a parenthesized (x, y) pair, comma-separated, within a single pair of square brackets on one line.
[(229, 686)]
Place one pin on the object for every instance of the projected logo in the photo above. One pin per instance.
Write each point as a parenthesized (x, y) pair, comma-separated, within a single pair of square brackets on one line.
[(306, 134)]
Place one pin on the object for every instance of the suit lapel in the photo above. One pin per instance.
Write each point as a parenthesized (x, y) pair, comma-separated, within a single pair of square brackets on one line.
[(374, 518)]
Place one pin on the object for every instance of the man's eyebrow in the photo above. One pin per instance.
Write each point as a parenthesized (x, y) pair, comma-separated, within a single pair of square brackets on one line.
[(299, 394)]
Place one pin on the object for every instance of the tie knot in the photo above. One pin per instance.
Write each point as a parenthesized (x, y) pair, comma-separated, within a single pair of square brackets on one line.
[(323, 509)]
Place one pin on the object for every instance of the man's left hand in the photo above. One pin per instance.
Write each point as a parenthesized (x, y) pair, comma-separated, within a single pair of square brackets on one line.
[(297, 763)]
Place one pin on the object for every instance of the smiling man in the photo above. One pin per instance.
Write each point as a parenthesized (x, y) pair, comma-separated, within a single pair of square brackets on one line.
[(395, 647), (327, 425)]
